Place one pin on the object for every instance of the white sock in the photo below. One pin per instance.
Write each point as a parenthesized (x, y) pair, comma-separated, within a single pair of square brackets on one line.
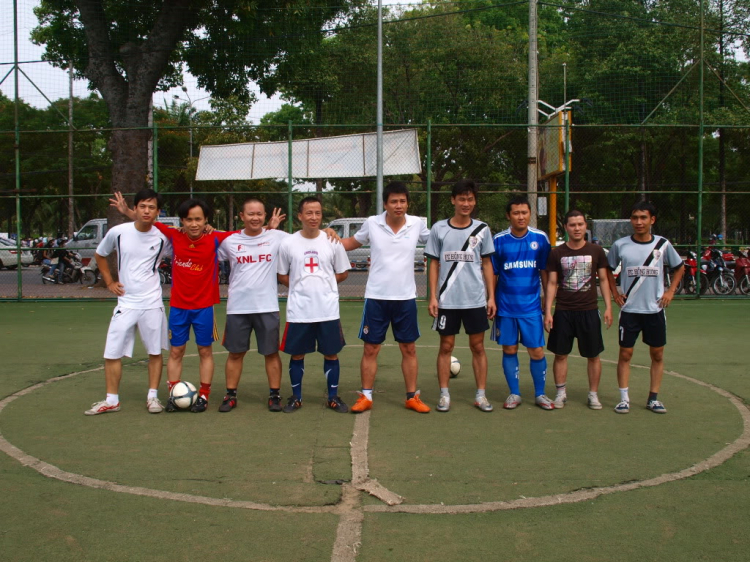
[(152, 393), (624, 395), (480, 393), (367, 392), (593, 395), (445, 392), (113, 399)]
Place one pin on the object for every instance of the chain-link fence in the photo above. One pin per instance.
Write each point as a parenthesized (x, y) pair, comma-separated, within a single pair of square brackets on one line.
[(659, 94)]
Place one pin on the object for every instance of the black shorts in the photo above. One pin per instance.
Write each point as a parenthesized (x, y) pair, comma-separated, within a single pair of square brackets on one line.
[(653, 326), (448, 321), (585, 325)]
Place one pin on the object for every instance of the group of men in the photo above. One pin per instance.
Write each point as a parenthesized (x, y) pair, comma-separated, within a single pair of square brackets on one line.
[(474, 278)]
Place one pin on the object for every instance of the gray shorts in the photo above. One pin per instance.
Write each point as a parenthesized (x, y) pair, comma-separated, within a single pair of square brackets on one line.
[(239, 327)]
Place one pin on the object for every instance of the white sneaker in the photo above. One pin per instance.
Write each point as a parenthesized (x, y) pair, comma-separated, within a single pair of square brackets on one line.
[(444, 404), (512, 402), (544, 402), (102, 408), (154, 406), (623, 407), (594, 403), (483, 404), (560, 400)]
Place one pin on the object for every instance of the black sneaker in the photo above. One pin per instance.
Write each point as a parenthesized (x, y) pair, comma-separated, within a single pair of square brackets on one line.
[(274, 403), (200, 405), (228, 403), (292, 405), (337, 405), (170, 407)]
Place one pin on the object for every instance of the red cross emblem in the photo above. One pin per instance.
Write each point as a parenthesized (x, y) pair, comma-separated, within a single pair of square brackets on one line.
[(311, 264)]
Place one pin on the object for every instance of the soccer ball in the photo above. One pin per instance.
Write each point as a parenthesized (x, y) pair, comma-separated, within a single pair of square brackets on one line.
[(183, 395), (455, 367)]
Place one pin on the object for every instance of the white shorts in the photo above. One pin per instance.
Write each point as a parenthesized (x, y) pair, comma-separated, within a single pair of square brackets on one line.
[(151, 323)]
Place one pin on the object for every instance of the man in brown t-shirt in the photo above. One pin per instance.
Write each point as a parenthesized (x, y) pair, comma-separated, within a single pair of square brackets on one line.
[(572, 269)]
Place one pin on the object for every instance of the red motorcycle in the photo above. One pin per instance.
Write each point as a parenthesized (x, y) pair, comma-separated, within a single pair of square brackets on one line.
[(742, 272), (689, 280)]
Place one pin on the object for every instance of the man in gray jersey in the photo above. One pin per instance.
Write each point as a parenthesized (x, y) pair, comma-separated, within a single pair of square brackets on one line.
[(462, 288), (643, 257)]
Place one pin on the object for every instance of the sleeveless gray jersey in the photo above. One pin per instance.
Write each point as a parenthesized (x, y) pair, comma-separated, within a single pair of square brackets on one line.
[(460, 251), (643, 270)]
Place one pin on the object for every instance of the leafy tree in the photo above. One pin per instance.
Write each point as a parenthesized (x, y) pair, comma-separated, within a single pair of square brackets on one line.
[(129, 49)]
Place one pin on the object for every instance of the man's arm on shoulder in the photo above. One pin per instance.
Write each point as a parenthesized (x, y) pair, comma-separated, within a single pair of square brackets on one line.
[(350, 243)]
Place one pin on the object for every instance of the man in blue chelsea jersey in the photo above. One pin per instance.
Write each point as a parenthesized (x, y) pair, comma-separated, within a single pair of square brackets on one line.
[(519, 262)]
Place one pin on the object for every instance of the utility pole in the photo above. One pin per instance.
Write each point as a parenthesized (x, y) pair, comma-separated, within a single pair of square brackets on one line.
[(533, 120)]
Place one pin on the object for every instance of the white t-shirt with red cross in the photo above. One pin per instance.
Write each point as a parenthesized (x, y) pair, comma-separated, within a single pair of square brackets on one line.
[(312, 265), (252, 281), (392, 257)]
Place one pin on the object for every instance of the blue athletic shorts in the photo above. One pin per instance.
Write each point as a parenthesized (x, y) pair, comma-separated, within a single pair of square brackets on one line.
[(377, 315), (505, 331), (201, 319), (301, 338)]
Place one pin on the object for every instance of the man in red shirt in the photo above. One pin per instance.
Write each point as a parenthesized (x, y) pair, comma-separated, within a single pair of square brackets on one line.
[(195, 290)]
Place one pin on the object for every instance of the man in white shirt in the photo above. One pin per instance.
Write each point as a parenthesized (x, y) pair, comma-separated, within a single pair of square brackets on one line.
[(252, 303), (391, 293), (140, 248), (312, 267)]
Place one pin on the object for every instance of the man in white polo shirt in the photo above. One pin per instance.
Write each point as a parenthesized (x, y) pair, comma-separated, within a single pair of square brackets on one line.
[(139, 248), (391, 293)]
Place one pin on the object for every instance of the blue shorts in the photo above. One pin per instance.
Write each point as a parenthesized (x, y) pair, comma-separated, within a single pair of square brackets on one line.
[(301, 338), (201, 319), (377, 315), (505, 331)]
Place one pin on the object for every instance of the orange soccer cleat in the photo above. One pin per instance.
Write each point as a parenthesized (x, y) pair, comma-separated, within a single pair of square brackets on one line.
[(361, 405), (417, 405)]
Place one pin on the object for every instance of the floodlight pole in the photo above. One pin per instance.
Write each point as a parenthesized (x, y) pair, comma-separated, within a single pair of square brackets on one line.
[(17, 151), (533, 120), (71, 202), (379, 117)]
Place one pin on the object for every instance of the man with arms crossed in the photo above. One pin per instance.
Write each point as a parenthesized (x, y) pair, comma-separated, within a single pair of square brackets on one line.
[(391, 293), (519, 261), (462, 288), (140, 248), (312, 267), (572, 270), (643, 257)]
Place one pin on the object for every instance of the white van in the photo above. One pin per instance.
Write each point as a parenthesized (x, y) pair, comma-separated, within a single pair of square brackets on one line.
[(360, 258), (87, 239)]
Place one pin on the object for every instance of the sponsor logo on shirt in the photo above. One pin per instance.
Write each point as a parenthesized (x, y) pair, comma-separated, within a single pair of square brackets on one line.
[(458, 256), (255, 259), (657, 254), (473, 241), (264, 243), (311, 261), (520, 264), (188, 265), (642, 271)]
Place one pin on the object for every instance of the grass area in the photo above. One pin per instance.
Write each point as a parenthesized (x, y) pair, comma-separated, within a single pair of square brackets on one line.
[(465, 456)]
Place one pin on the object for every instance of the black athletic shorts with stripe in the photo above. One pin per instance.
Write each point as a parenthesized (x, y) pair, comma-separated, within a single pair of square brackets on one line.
[(449, 320), (653, 326), (584, 325)]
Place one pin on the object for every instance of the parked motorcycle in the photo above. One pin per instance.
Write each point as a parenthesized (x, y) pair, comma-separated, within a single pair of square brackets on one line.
[(689, 282), (720, 277), (76, 272), (165, 271), (742, 271)]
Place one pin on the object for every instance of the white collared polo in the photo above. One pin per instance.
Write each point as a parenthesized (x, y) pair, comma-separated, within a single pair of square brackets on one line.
[(391, 275)]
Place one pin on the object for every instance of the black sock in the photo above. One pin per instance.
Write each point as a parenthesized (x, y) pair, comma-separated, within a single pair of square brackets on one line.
[(274, 391), (231, 392), (651, 396), (410, 395)]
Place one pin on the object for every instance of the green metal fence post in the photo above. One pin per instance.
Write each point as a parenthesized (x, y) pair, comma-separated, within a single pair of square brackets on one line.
[(700, 171), (429, 192), (290, 221), (17, 150), (155, 162)]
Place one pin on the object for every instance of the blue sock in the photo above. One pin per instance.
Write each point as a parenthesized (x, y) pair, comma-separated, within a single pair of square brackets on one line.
[(538, 368), (296, 372), (510, 369), (331, 370)]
